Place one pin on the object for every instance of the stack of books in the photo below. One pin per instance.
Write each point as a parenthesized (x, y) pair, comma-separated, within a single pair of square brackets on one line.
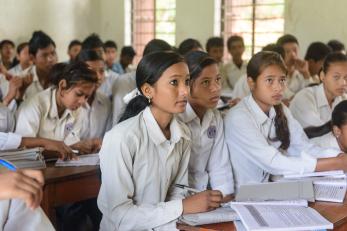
[(24, 158)]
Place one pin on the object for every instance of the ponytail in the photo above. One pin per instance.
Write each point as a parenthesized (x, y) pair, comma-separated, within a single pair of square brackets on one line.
[(281, 126), (134, 107)]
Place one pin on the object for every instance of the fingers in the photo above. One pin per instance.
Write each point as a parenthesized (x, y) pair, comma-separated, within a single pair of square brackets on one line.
[(35, 174)]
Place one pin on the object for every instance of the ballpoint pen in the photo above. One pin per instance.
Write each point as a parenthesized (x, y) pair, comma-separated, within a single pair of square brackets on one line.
[(187, 188), (8, 165)]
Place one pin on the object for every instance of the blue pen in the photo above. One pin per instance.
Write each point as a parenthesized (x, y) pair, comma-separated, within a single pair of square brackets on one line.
[(8, 165)]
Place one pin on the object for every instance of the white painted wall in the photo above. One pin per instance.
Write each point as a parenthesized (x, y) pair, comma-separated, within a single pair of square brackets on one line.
[(316, 20)]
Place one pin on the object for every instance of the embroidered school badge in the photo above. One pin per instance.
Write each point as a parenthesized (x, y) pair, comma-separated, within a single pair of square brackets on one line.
[(211, 132), (68, 128)]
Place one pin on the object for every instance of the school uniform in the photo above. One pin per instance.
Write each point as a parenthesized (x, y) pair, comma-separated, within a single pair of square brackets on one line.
[(311, 108), (139, 170), (38, 117), (17, 70), (254, 156), (209, 163), (297, 82), (117, 67), (326, 141), (122, 86), (35, 87), (231, 74), (107, 85), (15, 215), (98, 119)]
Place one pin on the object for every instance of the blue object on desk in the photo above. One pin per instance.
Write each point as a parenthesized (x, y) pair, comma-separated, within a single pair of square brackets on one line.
[(8, 165)]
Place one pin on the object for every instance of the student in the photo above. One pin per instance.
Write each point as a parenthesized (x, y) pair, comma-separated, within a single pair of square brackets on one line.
[(315, 55), (23, 58), (236, 68), (209, 163), (337, 46), (73, 50), (111, 48), (43, 54), (98, 107), (143, 157), (93, 42), (20, 197), (336, 135), (215, 48), (188, 45), (55, 112), (126, 83), (7, 53), (126, 58), (298, 73), (262, 136), (313, 106)]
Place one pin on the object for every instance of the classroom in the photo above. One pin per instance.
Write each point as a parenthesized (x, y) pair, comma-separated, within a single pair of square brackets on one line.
[(173, 115)]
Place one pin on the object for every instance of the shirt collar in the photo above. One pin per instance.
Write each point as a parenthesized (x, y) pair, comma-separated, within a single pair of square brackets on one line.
[(53, 112), (155, 132), (189, 115), (260, 116)]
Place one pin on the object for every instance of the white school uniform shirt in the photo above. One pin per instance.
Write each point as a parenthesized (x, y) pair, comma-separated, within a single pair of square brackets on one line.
[(35, 87), (254, 156), (8, 140), (15, 215), (209, 158), (311, 108), (232, 73), (98, 119), (38, 117), (107, 85), (297, 82), (326, 141), (18, 70), (139, 170), (122, 86)]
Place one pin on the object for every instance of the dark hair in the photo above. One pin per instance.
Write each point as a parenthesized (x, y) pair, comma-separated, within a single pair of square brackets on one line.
[(21, 46), (39, 40), (333, 57), (91, 42), (339, 115), (287, 38), (255, 66), (336, 45), (188, 45), (317, 51), (72, 73), (110, 44), (74, 43), (149, 70), (197, 61), (6, 41), (89, 55), (234, 38), (128, 51), (214, 42), (156, 45), (275, 48)]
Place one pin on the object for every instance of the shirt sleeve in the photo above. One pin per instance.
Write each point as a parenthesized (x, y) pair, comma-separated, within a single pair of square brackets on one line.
[(9, 140), (28, 120), (117, 190), (219, 165)]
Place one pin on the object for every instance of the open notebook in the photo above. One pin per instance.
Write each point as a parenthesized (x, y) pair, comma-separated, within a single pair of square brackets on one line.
[(83, 160)]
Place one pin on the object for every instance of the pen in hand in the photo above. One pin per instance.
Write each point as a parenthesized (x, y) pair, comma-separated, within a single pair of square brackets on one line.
[(182, 186)]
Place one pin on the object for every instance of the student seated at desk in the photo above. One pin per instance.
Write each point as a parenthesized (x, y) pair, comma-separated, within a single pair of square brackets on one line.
[(20, 198), (145, 155), (337, 129), (55, 113), (98, 107), (313, 106), (262, 136), (209, 163)]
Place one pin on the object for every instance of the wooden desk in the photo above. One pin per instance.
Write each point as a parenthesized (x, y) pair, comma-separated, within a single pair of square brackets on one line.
[(67, 185), (334, 212)]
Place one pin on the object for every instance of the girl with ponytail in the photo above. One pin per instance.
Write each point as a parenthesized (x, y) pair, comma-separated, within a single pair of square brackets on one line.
[(262, 136), (144, 156)]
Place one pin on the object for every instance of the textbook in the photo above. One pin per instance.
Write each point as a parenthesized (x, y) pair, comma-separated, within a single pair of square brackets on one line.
[(280, 218), (276, 191), (25, 158), (83, 160), (328, 186)]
